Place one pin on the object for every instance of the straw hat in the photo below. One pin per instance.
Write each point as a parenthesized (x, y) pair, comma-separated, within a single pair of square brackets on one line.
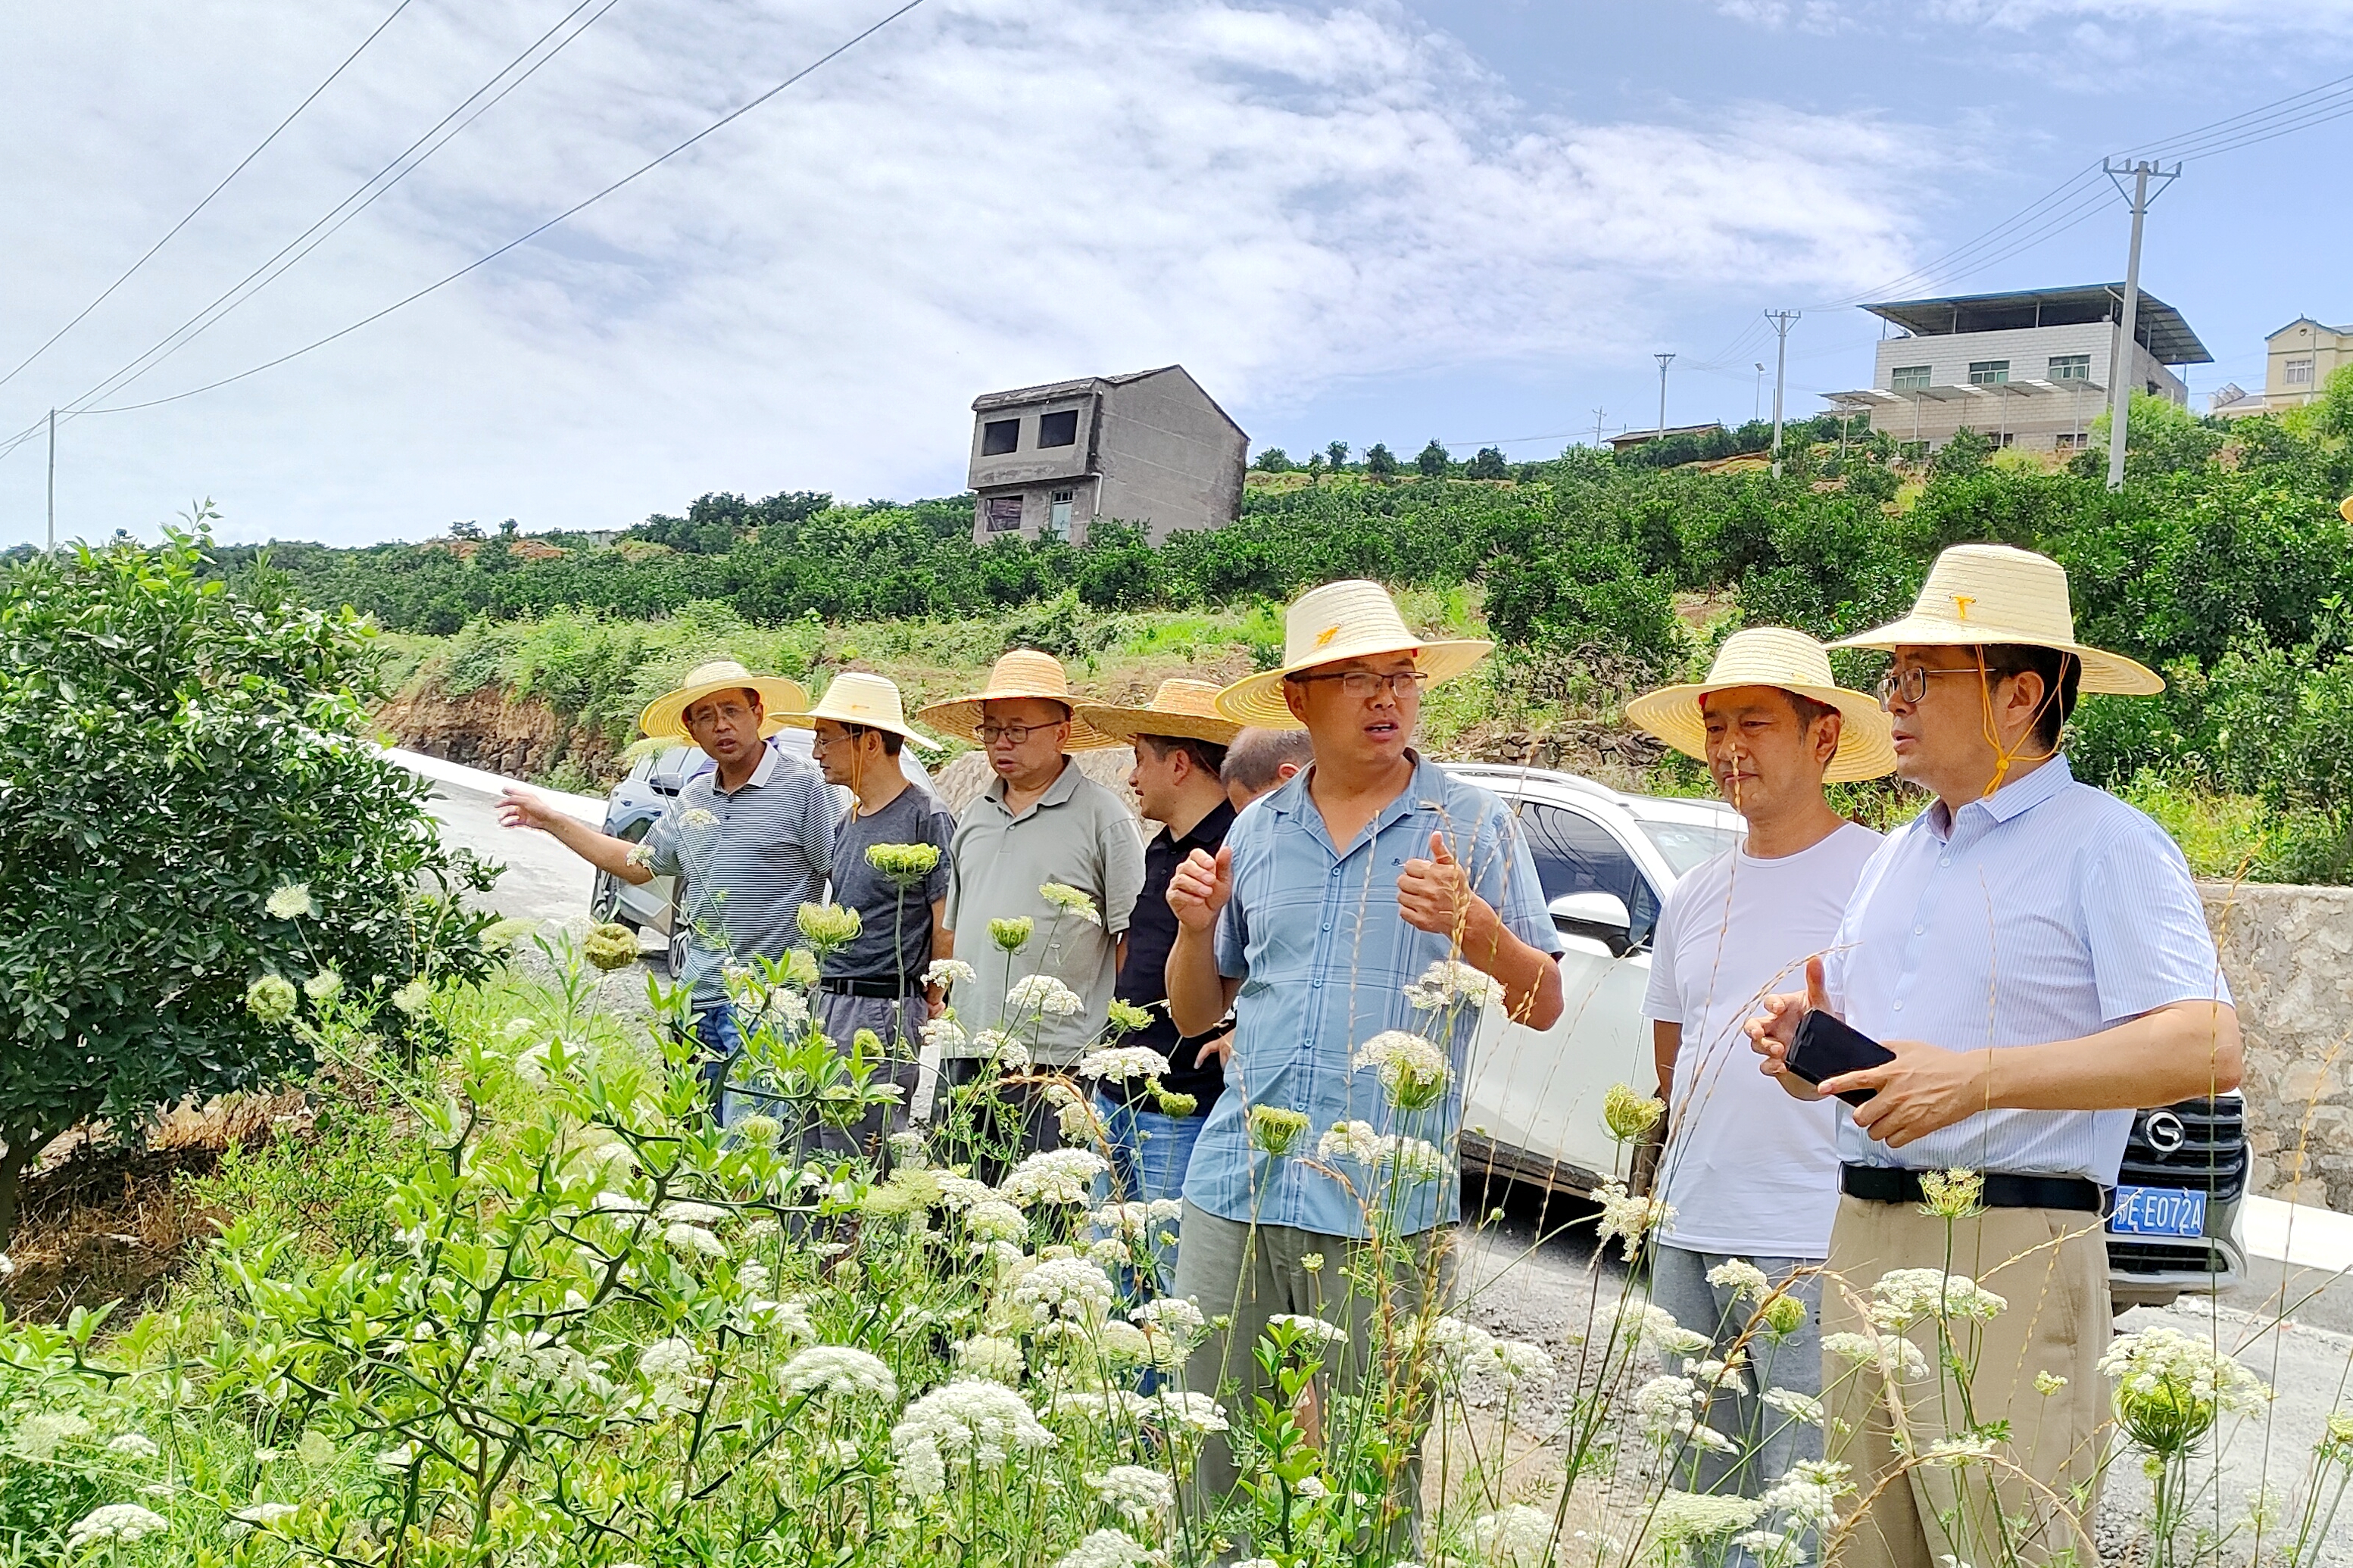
[(868, 701), (1792, 661), (1980, 594), (1340, 621), (665, 716), (1024, 672), (1186, 707)]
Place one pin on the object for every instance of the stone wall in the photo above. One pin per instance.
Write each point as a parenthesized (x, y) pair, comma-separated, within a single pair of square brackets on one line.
[(2288, 952)]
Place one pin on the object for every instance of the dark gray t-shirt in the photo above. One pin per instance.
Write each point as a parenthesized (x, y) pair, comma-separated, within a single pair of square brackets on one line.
[(914, 816)]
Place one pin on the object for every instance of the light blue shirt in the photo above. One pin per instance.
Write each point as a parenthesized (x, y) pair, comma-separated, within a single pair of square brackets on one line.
[(1323, 954), (2048, 910)]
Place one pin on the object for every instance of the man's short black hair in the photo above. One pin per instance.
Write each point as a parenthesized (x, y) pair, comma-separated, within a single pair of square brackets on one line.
[(890, 740), (2062, 673), (1211, 759)]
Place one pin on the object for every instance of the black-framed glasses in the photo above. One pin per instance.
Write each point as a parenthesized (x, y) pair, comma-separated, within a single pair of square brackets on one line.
[(1011, 734), (1910, 682), (1365, 684), (821, 742)]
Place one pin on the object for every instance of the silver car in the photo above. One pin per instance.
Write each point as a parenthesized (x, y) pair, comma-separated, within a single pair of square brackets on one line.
[(633, 806), (1532, 1106)]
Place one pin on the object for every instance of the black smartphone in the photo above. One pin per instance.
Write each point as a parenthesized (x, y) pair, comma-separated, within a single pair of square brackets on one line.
[(1826, 1046)]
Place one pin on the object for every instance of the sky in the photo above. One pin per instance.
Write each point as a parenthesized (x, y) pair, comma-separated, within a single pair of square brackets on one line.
[(1471, 220)]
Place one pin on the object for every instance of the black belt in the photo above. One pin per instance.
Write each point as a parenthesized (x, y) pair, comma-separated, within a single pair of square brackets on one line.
[(1886, 1185), (893, 989)]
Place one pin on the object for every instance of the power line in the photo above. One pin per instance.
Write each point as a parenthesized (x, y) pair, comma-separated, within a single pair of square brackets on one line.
[(404, 163), (646, 167), (259, 148)]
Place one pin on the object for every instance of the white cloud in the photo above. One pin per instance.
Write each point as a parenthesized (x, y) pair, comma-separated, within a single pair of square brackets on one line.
[(988, 194)]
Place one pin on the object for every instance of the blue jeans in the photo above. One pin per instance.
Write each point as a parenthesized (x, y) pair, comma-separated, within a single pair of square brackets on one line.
[(1149, 1153), (721, 1039)]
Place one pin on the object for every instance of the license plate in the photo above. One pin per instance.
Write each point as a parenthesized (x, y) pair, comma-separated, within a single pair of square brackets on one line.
[(2158, 1210)]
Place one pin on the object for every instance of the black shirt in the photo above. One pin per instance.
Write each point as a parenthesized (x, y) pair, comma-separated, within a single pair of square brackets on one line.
[(1143, 978)]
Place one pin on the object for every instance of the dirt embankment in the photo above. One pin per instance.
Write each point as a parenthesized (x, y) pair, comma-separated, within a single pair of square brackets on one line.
[(523, 738)]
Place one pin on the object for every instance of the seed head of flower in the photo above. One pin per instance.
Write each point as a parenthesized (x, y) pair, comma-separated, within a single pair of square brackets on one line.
[(1952, 1194), (501, 934), (1126, 1017), (1012, 932), (904, 864), (2047, 1383), (272, 998), (1177, 1105), (609, 946), (1630, 1114), (829, 927), (289, 901), (1064, 897), (323, 987), (759, 1128), (415, 997), (1783, 1313), (1273, 1130)]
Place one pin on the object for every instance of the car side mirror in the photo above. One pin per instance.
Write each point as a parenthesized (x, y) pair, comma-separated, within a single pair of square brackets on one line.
[(1603, 917)]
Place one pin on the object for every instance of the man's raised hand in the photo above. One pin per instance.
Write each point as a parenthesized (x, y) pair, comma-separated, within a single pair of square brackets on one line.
[(1434, 895), (1772, 1031), (1199, 887), (519, 807)]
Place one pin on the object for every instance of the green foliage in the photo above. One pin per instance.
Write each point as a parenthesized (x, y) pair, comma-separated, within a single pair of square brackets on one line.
[(1433, 461), (172, 751)]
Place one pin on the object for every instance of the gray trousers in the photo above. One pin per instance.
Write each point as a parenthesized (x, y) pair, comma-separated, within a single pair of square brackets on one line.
[(1252, 1273), (1769, 1440), (895, 1023)]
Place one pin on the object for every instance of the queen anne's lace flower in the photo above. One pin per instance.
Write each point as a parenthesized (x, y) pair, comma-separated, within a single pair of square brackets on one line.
[(1273, 1130), (1702, 1516), (1897, 1358), (948, 971), (1135, 1490), (265, 1515), (1176, 1411), (116, 1522), (1513, 1536), (1740, 1277), (1902, 1297), (2171, 1388), (133, 1446), (1627, 1218), (1667, 1406), (969, 1421), (986, 1355), (1042, 994), (1801, 1407), (1062, 895), (1106, 1549), (837, 1372), (1054, 1177), (1072, 1290), (995, 1046), (1449, 981), (681, 1236), (1137, 1220), (1120, 1063), (1807, 1498), (1654, 1329), (289, 901), (1413, 1071), (1349, 1140)]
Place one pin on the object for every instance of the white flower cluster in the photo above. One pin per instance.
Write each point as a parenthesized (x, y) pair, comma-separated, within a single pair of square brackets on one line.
[(1068, 1289), (970, 1421), (1413, 1071), (1902, 1297), (1469, 1352), (1106, 1549), (990, 1357), (1138, 1219), (1627, 1218), (1702, 1516), (1807, 1498), (1120, 1063), (1800, 1407), (115, 1521), (1742, 1277), (1196, 1414), (1513, 1536), (948, 971), (1042, 994), (1314, 1330), (1172, 1317), (1667, 1406), (1654, 1329), (133, 1446), (2162, 1367), (1136, 1490), (1054, 1177), (1449, 981), (1897, 1358), (998, 1047), (836, 1372), (671, 1371), (1413, 1159)]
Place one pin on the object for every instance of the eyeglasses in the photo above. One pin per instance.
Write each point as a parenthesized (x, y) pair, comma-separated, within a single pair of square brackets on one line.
[(1011, 734), (826, 742), (1910, 682), (1365, 684)]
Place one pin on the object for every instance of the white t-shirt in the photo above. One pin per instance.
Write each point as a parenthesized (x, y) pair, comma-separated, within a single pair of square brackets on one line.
[(1747, 1168)]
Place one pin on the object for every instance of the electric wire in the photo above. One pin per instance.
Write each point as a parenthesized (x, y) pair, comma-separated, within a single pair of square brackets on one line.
[(259, 148), (529, 235)]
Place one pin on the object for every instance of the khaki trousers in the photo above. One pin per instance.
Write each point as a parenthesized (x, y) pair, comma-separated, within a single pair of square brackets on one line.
[(2051, 1265)]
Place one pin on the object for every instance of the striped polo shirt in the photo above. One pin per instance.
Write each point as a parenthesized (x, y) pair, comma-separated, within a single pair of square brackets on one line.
[(2047, 910), (751, 858)]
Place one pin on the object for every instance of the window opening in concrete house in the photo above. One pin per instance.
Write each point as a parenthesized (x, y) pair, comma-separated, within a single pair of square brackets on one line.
[(2299, 372), (999, 437), (1005, 514), (2071, 367), (1058, 514), (1989, 373), (1059, 429), (1909, 378)]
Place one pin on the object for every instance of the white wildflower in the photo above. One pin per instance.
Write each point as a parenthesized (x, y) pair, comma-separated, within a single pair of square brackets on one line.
[(1137, 1219), (1054, 1177), (266, 1515), (1194, 1414), (948, 971), (1349, 1140), (944, 1035), (1807, 1498), (837, 1372), (1062, 895), (1667, 1406), (969, 1421), (1449, 981), (682, 1236), (998, 1047), (1136, 1490), (1742, 1277), (1627, 1218), (987, 1356), (1952, 1452), (1654, 1329), (1902, 1297), (115, 1521), (1414, 1072), (133, 1446), (1897, 1358), (1106, 1549), (1702, 1516), (994, 1219), (289, 901), (1803, 1408), (692, 1213), (1073, 1290), (1513, 1536), (1120, 1063), (1042, 994)]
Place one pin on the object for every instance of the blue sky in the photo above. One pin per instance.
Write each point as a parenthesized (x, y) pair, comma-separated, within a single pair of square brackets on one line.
[(1370, 222)]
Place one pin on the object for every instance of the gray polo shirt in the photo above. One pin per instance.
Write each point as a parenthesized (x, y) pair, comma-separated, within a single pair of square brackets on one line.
[(751, 858), (1078, 833)]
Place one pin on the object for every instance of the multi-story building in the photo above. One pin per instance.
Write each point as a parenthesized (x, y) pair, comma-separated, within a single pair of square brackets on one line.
[(2304, 353), (2030, 369), (1150, 448)]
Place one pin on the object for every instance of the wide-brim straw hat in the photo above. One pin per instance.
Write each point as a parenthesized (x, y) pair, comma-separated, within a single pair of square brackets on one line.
[(1980, 595), (1183, 708), (1788, 662), (1024, 672), (1355, 619), (665, 716), (868, 701)]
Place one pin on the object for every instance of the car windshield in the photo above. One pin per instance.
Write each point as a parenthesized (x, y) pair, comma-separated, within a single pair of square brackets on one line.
[(1688, 843)]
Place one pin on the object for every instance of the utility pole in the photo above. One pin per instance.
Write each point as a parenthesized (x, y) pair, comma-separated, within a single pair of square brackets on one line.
[(2120, 376), (1782, 321), (53, 481), (1662, 359), (1596, 428), (1757, 403)]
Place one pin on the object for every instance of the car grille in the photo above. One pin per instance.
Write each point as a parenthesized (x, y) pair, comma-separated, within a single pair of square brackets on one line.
[(2213, 1156), (2142, 1255)]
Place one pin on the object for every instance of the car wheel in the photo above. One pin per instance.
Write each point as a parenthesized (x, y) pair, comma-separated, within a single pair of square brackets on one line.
[(604, 901)]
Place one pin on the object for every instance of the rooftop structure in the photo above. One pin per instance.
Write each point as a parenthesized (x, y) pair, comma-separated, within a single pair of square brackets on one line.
[(2303, 355)]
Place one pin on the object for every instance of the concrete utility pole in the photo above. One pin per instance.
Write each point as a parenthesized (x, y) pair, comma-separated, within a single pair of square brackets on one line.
[(1596, 428), (1662, 359), (1782, 321), (53, 481), (1757, 403), (2120, 376)]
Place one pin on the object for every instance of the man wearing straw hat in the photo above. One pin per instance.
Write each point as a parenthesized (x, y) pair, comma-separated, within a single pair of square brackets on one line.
[(1041, 823), (752, 838), (876, 981), (1337, 917), (1180, 743), (2034, 953), (1750, 1174)]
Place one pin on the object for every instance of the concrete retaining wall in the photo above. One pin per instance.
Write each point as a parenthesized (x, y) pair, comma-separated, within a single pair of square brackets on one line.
[(2288, 952)]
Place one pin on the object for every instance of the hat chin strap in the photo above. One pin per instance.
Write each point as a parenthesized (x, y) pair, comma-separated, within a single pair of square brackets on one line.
[(2004, 756)]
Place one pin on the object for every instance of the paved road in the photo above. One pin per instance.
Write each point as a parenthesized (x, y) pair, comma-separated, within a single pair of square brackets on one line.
[(544, 880)]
